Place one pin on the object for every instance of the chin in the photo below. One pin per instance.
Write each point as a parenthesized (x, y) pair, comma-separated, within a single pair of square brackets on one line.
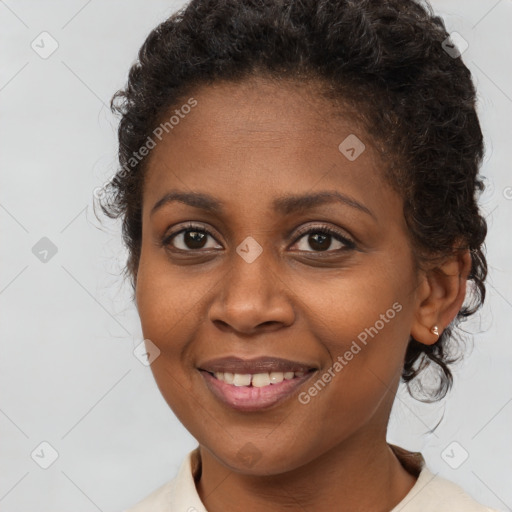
[(260, 459)]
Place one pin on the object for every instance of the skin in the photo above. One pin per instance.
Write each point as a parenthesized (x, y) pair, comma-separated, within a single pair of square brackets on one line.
[(246, 144)]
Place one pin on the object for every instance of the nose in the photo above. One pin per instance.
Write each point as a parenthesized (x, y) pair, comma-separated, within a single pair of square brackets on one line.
[(252, 297)]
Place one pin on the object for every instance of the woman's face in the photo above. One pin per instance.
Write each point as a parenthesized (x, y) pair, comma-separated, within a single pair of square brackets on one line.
[(254, 278)]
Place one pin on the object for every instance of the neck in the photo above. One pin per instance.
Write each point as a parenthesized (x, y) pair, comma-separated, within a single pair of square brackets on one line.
[(361, 474)]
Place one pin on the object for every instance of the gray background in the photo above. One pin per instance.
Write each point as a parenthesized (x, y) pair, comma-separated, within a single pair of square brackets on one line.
[(68, 375)]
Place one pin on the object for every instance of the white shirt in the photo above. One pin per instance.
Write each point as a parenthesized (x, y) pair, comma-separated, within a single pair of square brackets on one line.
[(430, 493)]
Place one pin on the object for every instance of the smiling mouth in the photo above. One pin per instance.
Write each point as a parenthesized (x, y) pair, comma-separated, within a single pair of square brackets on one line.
[(256, 391), (254, 384), (257, 380)]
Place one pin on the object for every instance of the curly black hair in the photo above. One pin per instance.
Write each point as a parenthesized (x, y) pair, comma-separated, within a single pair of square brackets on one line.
[(387, 59)]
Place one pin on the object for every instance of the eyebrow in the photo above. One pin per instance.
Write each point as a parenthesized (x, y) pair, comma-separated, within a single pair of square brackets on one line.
[(284, 205)]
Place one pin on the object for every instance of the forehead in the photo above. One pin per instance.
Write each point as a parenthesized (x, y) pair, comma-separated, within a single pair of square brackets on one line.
[(266, 111), (262, 136)]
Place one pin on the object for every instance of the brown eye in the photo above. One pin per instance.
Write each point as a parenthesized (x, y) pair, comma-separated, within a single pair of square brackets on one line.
[(322, 239), (192, 238), (319, 241)]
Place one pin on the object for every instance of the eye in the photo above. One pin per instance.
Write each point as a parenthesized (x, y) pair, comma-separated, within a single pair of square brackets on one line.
[(191, 238), (321, 238)]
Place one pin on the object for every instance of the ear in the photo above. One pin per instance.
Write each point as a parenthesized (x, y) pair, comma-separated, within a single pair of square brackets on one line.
[(439, 296)]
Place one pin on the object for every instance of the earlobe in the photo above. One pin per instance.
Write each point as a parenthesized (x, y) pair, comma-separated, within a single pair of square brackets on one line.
[(440, 296)]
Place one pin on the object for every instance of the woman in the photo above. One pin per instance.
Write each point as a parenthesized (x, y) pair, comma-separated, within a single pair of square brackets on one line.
[(298, 191)]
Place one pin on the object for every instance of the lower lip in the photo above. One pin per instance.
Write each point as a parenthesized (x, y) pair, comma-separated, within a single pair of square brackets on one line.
[(249, 398)]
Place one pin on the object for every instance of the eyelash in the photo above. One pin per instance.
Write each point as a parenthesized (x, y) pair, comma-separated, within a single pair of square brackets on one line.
[(325, 230)]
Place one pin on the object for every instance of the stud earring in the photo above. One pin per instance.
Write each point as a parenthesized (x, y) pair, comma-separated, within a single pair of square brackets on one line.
[(435, 330)]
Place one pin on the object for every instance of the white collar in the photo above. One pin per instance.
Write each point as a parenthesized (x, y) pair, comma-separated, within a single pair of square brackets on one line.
[(430, 493)]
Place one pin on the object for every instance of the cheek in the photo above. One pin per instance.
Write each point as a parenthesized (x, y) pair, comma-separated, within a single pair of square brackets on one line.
[(171, 308), (358, 387), (356, 306), (363, 328), (168, 302), (165, 304)]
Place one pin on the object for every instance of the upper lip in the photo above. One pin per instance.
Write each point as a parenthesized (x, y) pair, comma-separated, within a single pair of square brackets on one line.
[(233, 364)]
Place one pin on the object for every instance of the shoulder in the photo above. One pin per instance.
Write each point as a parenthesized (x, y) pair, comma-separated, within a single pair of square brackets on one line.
[(177, 495), (433, 493), (157, 501)]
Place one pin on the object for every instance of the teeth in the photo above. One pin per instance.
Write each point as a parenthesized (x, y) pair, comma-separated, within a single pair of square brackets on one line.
[(226, 377), (276, 377), (258, 380), (242, 379)]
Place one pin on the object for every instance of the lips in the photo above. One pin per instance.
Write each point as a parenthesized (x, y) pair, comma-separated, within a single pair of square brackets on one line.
[(254, 384), (238, 365)]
